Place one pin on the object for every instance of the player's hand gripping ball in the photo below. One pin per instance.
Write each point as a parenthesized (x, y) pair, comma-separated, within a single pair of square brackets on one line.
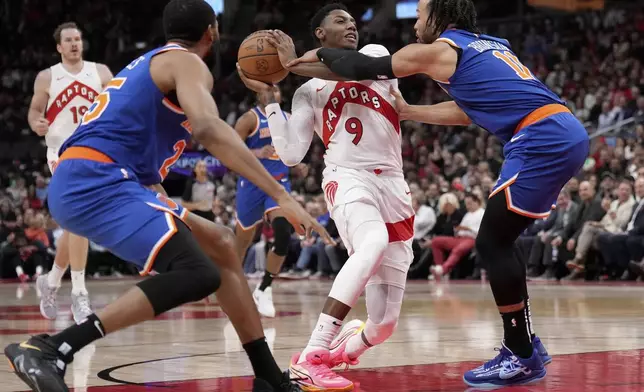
[(259, 60)]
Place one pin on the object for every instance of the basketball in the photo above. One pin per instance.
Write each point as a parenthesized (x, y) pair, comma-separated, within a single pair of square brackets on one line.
[(259, 60)]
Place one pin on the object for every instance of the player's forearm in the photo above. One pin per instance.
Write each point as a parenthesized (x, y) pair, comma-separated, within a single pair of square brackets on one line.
[(190, 206), (354, 65), (444, 113), (316, 70), (224, 144), (291, 141), (33, 116)]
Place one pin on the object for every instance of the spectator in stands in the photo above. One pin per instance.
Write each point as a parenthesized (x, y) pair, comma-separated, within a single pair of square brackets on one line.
[(618, 249), (590, 210), (433, 194), (314, 245), (423, 222), (25, 254), (18, 190), (8, 219), (449, 217), (543, 250), (41, 188), (573, 189), (618, 214), (199, 193), (462, 242)]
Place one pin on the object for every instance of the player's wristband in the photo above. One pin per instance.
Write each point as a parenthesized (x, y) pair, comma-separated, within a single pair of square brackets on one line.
[(354, 65)]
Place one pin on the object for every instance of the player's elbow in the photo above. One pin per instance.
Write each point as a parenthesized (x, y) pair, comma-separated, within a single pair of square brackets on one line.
[(465, 121), (204, 131)]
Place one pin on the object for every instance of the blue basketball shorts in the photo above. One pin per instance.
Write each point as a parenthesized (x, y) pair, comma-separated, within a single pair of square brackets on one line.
[(93, 197), (253, 204), (539, 160)]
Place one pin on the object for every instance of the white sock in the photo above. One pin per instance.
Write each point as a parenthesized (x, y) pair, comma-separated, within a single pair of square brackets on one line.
[(19, 271), (78, 282), (55, 276), (39, 270), (325, 331), (356, 346)]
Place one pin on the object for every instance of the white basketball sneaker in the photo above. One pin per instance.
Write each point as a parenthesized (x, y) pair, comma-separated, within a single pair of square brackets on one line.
[(338, 345), (80, 306), (48, 304), (264, 301)]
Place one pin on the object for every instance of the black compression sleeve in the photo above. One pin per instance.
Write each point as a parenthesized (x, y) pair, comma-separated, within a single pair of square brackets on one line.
[(354, 65)]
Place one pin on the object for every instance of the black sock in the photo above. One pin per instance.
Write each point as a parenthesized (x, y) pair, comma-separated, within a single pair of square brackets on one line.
[(516, 333), (266, 281), (263, 362), (74, 338)]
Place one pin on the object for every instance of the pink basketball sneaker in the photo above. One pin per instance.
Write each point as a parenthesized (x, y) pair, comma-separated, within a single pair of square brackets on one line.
[(314, 374), (338, 345)]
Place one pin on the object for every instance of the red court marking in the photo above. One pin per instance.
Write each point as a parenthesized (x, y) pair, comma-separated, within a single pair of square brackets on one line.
[(611, 371)]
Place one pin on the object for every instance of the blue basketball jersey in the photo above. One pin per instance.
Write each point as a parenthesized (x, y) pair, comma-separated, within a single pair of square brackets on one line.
[(261, 137), (134, 123), (491, 85)]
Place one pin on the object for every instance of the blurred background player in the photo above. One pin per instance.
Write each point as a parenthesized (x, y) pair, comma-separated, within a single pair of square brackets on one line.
[(365, 191), (544, 146), (62, 94), (253, 204), (107, 187)]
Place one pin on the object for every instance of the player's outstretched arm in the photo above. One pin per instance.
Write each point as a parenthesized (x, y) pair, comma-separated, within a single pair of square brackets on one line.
[(291, 136), (444, 113), (437, 60), (36, 116), (286, 50), (193, 82)]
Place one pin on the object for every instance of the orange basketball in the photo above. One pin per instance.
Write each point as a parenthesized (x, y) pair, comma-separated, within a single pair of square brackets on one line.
[(259, 60)]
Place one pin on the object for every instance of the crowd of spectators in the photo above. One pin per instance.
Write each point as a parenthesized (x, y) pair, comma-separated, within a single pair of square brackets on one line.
[(593, 60)]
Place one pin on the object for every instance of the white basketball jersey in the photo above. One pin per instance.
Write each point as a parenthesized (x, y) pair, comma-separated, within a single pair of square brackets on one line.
[(69, 98), (358, 121)]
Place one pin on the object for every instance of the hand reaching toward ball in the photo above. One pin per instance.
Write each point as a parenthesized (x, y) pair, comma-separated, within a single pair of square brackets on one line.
[(259, 60)]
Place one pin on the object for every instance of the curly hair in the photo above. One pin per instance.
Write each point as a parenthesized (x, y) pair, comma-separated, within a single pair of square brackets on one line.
[(458, 13)]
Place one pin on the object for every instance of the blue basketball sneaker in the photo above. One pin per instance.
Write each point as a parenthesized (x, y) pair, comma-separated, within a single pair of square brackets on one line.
[(541, 349), (506, 369)]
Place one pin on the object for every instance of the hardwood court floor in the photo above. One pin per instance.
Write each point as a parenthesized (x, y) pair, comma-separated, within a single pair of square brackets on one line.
[(595, 332)]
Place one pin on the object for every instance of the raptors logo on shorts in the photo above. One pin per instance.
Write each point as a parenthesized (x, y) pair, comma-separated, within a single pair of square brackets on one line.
[(329, 191)]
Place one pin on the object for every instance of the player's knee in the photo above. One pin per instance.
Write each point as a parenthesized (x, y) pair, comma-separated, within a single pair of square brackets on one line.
[(381, 331), (227, 238), (282, 230)]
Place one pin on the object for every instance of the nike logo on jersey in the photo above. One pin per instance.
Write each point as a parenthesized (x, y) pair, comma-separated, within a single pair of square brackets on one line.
[(320, 89), (269, 116), (514, 139), (61, 78)]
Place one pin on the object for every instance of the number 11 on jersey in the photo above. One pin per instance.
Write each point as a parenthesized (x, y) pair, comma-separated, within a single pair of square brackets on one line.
[(513, 61)]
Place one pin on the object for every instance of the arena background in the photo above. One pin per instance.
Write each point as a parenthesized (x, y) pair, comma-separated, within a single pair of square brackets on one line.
[(588, 51)]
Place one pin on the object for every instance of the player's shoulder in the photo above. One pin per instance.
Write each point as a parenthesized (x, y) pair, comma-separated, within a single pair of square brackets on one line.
[(101, 67), (44, 77), (247, 120), (306, 87), (44, 74)]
